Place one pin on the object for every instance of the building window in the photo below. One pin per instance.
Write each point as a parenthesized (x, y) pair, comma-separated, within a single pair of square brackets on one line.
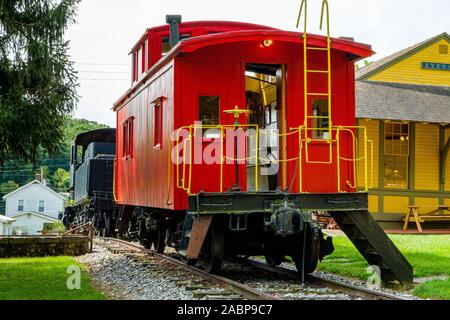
[(41, 206), (21, 206), (443, 49), (209, 114), (128, 135), (396, 155), (320, 120), (158, 123)]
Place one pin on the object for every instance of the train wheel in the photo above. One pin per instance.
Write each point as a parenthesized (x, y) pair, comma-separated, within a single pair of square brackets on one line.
[(312, 251), (274, 260), (159, 241), (191, 262), (213, 251), (144, 237), (107, 229)]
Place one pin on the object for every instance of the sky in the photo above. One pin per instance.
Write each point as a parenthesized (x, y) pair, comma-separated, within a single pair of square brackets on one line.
[(107, 29)]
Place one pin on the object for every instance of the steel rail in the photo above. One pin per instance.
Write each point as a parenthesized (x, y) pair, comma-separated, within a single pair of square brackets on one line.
[(354, 290), (255, 294), (239, 288)]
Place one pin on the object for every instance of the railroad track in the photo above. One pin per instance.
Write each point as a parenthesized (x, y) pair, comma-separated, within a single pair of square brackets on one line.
[(317, 287), (241, 290), (351, 289)]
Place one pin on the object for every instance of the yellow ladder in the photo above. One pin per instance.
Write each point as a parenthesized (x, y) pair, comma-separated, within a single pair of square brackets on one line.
[(308, 94)]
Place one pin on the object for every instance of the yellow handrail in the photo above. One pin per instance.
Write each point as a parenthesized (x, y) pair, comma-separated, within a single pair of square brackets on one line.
[(114, 181), (364, 158), (304, 4), (307, 94), (325, 6), (185, 182)]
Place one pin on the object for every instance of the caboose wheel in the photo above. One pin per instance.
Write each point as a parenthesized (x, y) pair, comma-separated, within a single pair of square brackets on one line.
[(159, 238), (107, 229), (213, 251), (312, 251), (143, 235), (191, 262), (273, 260)]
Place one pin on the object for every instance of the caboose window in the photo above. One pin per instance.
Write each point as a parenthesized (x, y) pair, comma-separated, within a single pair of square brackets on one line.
[(166, 43), (396, 155), (146, 53), (127, 134), (158, 118), (139, 63), (209, 114), (320, 124)]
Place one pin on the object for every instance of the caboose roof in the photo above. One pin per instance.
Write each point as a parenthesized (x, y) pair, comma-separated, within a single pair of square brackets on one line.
[(355, 50), (220, 25)]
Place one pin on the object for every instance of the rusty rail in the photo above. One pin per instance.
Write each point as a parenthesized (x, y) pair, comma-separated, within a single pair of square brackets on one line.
[(354, 290), (239, 288)]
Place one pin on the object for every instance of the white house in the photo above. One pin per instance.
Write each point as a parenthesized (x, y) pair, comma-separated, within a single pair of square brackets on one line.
[(6, 225), (32, 223), (35, 207)]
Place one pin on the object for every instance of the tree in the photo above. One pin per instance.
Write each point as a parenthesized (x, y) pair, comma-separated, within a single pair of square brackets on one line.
[(364, 63), (61, 180), (73, 127), (8, 187), (37, 80), (22, 172)]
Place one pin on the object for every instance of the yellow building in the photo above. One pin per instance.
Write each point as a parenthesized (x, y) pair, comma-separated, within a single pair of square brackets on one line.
[(404, 101)]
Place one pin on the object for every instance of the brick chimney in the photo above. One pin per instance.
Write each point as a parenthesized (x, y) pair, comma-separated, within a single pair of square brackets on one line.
[(39, 175)]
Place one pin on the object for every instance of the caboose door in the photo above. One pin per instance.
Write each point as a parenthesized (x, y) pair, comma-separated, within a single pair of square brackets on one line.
[(265, 84)]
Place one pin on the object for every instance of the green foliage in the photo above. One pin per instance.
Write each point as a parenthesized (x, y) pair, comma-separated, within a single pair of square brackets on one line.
[(8, 187), (428, 254), (438, 290), (363, 63), (22, 172), (61, 179), (73, 127), (59, 227), (37, 80), (42, 279)]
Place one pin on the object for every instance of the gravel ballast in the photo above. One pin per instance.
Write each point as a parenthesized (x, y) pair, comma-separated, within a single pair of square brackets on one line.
[(119, 278)]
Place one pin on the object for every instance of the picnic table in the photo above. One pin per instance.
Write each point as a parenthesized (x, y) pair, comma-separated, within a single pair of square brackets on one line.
[(441, 213)]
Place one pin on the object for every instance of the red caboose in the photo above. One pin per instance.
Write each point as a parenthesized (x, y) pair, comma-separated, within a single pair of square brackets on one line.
[(232, 134)]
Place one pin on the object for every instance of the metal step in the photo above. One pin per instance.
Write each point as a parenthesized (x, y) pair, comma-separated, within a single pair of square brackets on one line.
[(374, 245)]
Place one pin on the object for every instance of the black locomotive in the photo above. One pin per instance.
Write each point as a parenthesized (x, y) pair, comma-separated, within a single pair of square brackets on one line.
[(91, 181)]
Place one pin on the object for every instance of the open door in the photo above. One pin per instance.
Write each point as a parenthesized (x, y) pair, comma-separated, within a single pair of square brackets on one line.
[(265, 87)]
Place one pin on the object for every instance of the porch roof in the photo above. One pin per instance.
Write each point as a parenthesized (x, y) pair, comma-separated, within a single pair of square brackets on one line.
[(403, 102)]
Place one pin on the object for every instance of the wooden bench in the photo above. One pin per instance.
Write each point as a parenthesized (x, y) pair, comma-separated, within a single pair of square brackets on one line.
[(438, 214)]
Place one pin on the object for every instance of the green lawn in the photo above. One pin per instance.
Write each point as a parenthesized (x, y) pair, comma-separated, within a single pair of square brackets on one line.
[(42, 279), (428, 254)]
